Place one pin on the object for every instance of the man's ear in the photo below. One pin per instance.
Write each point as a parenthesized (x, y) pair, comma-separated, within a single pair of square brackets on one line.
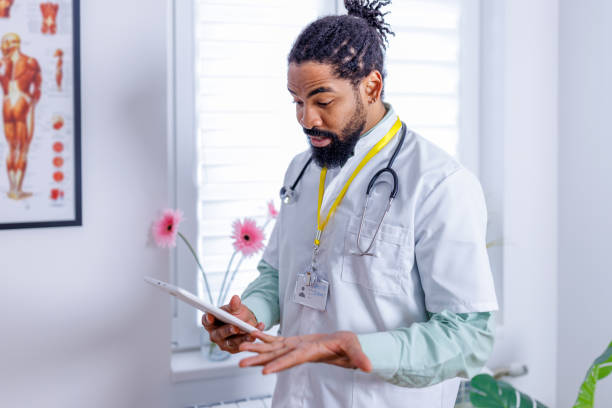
[(373, 86)]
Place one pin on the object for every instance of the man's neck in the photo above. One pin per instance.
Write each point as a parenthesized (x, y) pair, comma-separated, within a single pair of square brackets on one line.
[(376, 114)]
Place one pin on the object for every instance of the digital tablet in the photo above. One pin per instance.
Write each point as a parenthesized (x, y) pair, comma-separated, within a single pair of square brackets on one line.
[(199, 304)]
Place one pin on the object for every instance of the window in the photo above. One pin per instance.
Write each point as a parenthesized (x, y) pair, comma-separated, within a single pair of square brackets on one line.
[(234, 124), (432, 72)]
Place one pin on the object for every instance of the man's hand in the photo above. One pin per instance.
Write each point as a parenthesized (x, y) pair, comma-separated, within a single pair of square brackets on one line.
[(227, 336), (280, 353)]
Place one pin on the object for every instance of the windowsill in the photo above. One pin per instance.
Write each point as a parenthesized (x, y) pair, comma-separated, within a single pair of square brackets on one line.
[(193, 365)]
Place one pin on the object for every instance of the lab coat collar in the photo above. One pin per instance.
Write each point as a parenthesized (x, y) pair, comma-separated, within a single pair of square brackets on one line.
[(363, 146), (389, 114)]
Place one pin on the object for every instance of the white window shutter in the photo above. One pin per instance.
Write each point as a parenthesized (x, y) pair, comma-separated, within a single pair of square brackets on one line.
[(423, 67), (246, 128)]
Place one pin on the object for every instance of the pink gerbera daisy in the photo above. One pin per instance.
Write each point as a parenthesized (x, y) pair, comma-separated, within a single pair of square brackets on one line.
[(165, 228), (248, 237), (272, 211)]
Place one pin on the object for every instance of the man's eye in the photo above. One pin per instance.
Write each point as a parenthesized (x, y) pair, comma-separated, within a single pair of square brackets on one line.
[(323, 103), (299, 103)]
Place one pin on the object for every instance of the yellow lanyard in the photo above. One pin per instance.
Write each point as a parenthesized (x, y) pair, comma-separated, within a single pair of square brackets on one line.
[(373, 152)]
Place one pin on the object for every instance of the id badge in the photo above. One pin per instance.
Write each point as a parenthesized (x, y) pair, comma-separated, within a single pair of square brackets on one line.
[(313, 295)]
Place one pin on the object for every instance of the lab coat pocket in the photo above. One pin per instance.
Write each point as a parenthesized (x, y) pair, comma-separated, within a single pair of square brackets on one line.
[(391, 256)]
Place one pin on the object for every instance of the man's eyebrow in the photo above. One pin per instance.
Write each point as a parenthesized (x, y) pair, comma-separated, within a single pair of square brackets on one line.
[(320, 90), (315, 91)]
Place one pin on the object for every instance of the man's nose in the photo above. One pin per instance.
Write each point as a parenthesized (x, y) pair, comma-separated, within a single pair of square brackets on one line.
[(310, 118)]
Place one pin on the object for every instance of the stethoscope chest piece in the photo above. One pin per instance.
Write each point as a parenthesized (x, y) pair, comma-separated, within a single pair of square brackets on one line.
[(288, 195)]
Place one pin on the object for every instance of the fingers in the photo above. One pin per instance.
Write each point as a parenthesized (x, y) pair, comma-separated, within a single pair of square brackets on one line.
[(263, 358), (262, 347), (220, 334), (238, 309), (210, 322), (232, 344), (357, 357), (341, 361), (278, 353), (266, 337), (291, 359), (228, 337), (234, 305)]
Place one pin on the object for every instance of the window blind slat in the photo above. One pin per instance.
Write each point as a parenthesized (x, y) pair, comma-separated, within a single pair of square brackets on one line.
[(250, 137), (219, 86), (422, 79), (421, 46), (425, 14)]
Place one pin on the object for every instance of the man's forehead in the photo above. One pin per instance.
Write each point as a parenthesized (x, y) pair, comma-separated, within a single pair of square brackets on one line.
[(312, 78)]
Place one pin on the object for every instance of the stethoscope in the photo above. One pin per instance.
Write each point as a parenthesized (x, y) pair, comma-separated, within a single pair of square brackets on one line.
[(289, 195)]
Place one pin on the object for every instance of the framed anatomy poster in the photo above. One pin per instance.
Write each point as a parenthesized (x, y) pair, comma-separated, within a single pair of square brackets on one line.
[(40, 136)]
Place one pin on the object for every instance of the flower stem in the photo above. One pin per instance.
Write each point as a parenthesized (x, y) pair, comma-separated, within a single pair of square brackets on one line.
[(199, 266), (229, 265), (266, 223), (233, 276)]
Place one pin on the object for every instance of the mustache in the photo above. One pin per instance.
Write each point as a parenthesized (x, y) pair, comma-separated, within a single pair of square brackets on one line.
[(320, 133)]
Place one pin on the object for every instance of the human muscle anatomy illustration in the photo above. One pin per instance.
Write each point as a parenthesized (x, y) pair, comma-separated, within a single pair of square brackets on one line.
[(58, 122), (21, 80), (49, 13), (59, 54), (5, 8)]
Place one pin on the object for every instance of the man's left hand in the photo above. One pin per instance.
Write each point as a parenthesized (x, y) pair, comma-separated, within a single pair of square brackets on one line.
[(280, 353)]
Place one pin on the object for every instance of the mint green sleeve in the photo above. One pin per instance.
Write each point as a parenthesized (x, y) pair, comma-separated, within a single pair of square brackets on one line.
[(447, 345), (261, 296)]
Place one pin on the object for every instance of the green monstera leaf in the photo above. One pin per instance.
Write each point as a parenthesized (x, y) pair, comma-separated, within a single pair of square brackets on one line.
[(601, 368), (487, 392)]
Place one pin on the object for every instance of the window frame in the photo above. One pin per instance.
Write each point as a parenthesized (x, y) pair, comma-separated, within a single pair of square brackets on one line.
[(183, 166)]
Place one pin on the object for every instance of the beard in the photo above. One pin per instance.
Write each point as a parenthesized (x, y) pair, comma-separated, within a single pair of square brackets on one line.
[(339, 150)]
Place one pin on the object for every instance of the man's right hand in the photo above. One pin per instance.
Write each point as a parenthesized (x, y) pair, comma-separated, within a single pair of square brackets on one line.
[(227, 336)]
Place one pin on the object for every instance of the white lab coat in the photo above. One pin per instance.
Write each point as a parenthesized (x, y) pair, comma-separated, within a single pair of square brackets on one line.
[(430, 255)]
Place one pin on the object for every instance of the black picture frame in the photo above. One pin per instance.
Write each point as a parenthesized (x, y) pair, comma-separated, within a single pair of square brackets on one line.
[(76, 86)]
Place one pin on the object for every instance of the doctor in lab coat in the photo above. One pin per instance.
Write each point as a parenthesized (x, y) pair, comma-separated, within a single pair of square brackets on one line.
[(396, 328)]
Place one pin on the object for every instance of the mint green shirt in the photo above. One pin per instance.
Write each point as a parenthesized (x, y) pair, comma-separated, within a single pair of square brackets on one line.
[(447, 345)]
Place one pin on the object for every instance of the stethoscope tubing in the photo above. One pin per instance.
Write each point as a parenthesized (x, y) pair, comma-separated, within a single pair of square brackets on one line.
[(290, 192), (392, 196)]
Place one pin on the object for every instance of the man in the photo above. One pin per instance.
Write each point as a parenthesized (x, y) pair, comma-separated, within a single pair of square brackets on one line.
[(21, 80), (410, 303)]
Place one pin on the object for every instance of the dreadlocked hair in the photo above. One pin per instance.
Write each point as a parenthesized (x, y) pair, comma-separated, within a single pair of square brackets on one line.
[(353, 44)]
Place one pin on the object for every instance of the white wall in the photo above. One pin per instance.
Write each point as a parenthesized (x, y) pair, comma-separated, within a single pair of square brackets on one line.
[(527, 70), (81, 329), (79, 326), (585, 194)]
